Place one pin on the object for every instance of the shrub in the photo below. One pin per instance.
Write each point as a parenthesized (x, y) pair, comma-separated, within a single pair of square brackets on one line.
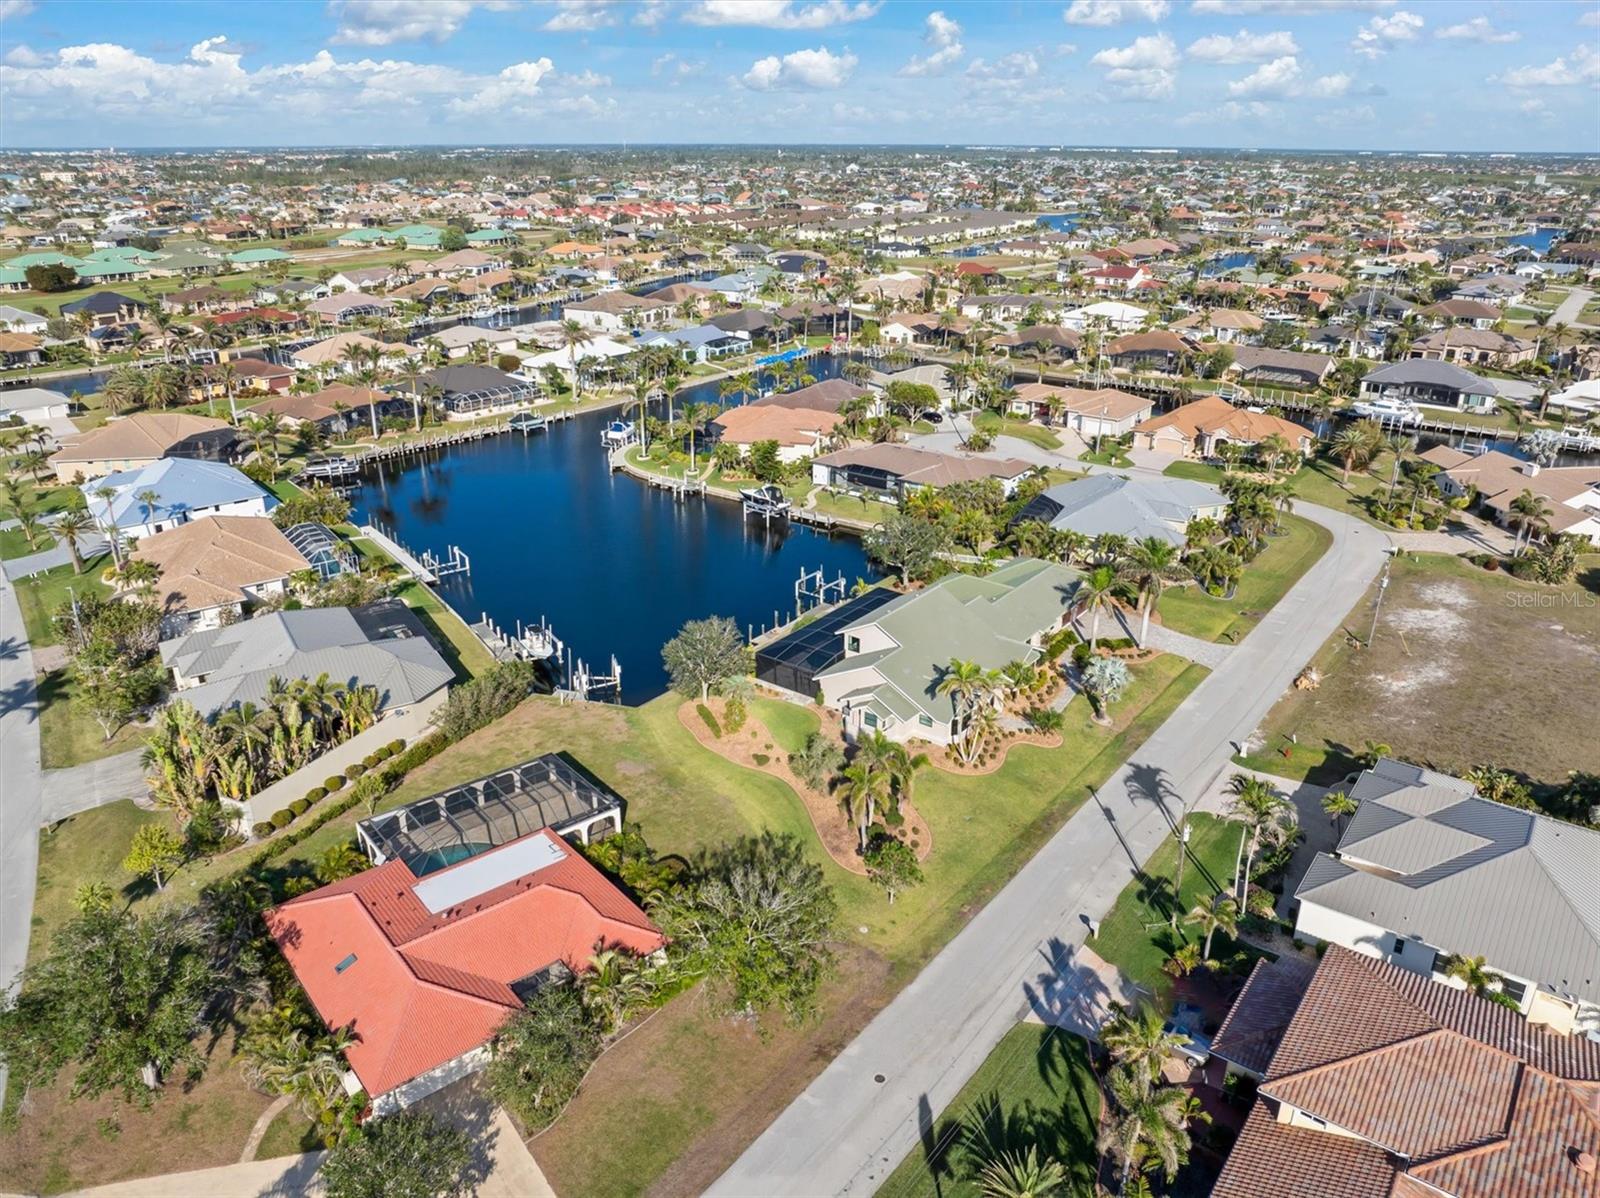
[(761, 759), (1080, 655), (733, 715), (541, 1054), (316, 794), (355, 769), (1060, 643), (280, 819), (709, 718), (336, 782), (262, 830), (486, 698), (395, 746), (817, 761), (299, 807)]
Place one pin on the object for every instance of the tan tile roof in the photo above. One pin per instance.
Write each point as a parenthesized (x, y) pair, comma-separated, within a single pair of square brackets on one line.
[(1213, 414), (206, 563), (146, 435), (786, 426), (320, 405)]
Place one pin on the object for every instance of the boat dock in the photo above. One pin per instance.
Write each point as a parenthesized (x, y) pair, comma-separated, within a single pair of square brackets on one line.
[(527, 643), (424, 566)]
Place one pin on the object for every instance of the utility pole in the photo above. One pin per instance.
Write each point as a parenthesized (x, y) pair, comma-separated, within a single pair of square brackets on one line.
[(1383, 585), (1183, 851)]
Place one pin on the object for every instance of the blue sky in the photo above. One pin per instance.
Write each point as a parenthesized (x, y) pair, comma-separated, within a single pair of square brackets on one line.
[(1412, 74)]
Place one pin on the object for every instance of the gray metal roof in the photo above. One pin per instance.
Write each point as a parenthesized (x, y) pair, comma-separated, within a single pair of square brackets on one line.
[(1425, 858), (1434, 374), (1130, 507)]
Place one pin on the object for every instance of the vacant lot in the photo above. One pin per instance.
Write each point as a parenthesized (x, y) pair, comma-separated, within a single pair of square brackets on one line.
[(1048, 1097), (1468, 668), (1264, 581)]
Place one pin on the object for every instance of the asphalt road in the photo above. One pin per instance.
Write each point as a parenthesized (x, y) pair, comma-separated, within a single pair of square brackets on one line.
[(874, 1103), (20, 808)]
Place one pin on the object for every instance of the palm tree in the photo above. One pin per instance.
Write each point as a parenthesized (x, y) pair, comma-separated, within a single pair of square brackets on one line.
[(148, 499), (574, 337), (1529, 512), (1152, 563), (1150, 1124), (1100, 589), (1266, 814), (1138, 1040), (70, 525), (1018, 1173), (1473, 972), (1339, 806), (1220, 914), (970, 686)]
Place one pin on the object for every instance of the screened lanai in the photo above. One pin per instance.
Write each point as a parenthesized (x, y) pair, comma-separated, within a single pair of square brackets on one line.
[(487, 812)]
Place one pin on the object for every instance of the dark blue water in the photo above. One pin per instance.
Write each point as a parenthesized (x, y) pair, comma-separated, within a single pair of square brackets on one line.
[(84, 384), (1540, 240), (1061, 222), (614, 565), (1238, 260)]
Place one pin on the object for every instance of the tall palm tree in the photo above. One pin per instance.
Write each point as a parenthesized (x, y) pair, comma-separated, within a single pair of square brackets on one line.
[(574, 337), (1339, 806), (148, 499), (1529, 512), (1221, 914), (1266, 814), (970, 687), (1473, 972), (866, 788), (69, 526), (1152, 563), (1150, 1124), (1018, 1173), (1138, 1040), (1099, 589)]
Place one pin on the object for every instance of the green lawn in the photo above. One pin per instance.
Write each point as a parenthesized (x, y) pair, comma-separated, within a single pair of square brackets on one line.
[(1265, 581), (850, 508), (1113, 455), (789, 723), (1136, 936), (68, 735), (41, 596), (989, 422), (458, 644), (1047, 1096), (289, 1134), (87, 847), (14, 543)]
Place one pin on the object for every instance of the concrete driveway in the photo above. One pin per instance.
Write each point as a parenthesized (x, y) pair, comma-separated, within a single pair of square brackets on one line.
[(93, 784)]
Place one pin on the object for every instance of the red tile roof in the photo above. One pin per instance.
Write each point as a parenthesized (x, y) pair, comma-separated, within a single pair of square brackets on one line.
[(424, 988)]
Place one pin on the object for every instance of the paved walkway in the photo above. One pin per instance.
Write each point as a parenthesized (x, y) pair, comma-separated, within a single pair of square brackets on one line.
[(93, 784), (1210, 654), (1567, 311), (20, 804), (859, 1117), (1075, 993)]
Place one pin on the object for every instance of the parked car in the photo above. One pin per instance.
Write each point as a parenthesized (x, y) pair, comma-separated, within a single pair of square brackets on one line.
[(1185, 1021)]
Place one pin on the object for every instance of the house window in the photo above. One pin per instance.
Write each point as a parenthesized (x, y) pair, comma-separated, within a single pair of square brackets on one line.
[(345, 964), (852, 644), (1516, 991), (869, 719), (1399, 947), (925, 720)]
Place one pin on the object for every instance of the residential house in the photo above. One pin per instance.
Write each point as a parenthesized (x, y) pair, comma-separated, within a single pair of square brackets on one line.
[(467, 340), (38, 407), (16, 320), (891, 659), (617, 311), (752, 323), (137, 441), (1432, 384), (1116, 279), (212, 569), (20, 350), (1427, 870), (1040, 342), (1496, 479), (382, 645), (1198, 429), (702, 343), (1474, 346), (331, 355), (887, 470), (1103, 412), (1137, 508), (358, 279), (1453, 311), (1279, 367), (829, 395), (799, 432), (1383, 1084), (426, 961), (1109, 315), (1227, 325), (170, 492), (467, 391), (1155, 350), (336, 409), (346, 306), (104, 309)]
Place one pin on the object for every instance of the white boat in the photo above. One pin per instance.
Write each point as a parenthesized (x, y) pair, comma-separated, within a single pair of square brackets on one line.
[(1388, 411), (618, 432), (766, 501)]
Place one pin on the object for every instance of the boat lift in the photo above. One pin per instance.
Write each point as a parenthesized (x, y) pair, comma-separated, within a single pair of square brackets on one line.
[(767, 503)]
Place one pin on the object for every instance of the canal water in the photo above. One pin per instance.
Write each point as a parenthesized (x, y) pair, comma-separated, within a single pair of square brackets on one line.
[(615, 566)]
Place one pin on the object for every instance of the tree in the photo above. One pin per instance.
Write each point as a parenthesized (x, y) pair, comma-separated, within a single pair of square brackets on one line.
[(1529, 513), (1266, 814), (452, 240), (1474, 974), (1019, 1173), (1152, 563), (765, 464), (1356, 445), (541, 1055), (1221, 914), (409, 1154), (705, 654), (1339, 806), (891, 864), (1100, 589), (907, 545), (1138, 1040), (51, 277), (1150, 1124), (754, 917), (1106, 679), (118, 995), (70, 526), (155, 853), (971, 688), (818, 760)]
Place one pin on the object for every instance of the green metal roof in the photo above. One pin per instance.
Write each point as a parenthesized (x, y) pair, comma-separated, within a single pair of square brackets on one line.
[(258, 255), (46, 258)]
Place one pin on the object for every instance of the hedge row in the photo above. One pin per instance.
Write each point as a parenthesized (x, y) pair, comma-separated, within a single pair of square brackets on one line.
[(396, 759)]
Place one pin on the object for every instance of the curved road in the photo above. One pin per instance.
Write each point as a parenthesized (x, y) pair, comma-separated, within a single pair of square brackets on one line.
[(873, 1103)]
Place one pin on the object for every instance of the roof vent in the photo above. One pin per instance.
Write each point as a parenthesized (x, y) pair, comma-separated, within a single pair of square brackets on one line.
[(1582, 1161)]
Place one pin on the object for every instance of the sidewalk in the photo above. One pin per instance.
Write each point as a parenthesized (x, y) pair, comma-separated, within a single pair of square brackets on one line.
[(20, 803)]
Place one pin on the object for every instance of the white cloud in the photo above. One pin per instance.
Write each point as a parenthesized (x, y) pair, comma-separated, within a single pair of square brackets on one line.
[(1590, 19), (1144, 70), (1343, 118), (1018, 65), (511, 88), (1330, 87), (11, 9), (1380, 34), (584, 80), (780, 14), (580, 16), (1271, 80), (820, 69), (650, 13), (1100, 13), (1243, 46), (944, 37), (1478, 30), (384, 22), (1296, 8), (25, 56), (678, 68), (1583, 66)]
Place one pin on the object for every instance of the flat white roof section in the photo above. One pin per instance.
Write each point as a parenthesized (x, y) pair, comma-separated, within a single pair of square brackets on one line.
[(481, 874)]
